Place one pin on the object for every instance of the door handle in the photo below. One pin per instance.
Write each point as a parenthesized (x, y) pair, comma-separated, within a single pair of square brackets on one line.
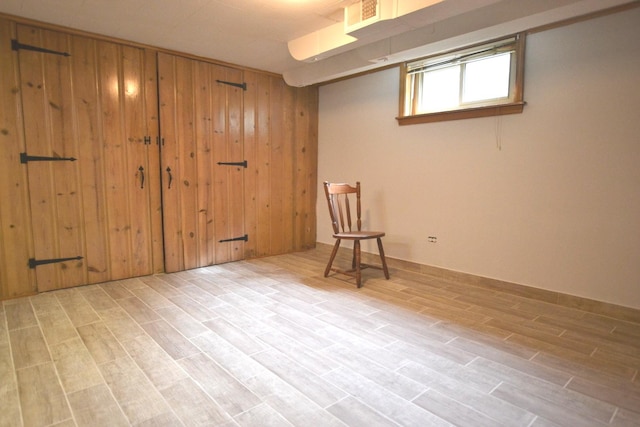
[(170, 177), (141, 170)]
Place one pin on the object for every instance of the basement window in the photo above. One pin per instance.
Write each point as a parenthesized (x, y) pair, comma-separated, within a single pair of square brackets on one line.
[(478, 81)]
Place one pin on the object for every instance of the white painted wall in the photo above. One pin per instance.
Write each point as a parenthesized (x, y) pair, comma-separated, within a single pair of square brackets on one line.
[(549, 198)]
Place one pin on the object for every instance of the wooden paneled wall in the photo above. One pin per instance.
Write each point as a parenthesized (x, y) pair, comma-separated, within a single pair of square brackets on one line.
[(15, 224), (281, 126), (202, 132), (279, 137), (88, 106)]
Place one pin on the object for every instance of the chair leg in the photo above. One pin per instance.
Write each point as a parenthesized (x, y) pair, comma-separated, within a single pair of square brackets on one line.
[(333, 255), (353, 258), (356, 248), (383, 259)]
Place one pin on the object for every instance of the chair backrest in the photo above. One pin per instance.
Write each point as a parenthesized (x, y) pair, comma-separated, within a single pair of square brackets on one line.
[(340, 206)]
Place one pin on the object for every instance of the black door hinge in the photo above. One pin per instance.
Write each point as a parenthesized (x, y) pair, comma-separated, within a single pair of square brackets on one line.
[(33, 263), (244, 238), (16, 45), (243, 164), (24, 158), (242, 86)]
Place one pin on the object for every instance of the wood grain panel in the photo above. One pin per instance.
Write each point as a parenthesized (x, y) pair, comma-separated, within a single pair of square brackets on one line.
[(15, 229), (288, 165), (103, 110), (187, 178), (127, 164), (277, 189), (46, 111), (154, 173), (234, 176), (251, 155), (263, 190), (207, 129), (306, 174), (202, 126), (280, 186), (172, 241), (170, 71), (91, 106), (62, 141), (137, 165), (88, 112), (114, 160)]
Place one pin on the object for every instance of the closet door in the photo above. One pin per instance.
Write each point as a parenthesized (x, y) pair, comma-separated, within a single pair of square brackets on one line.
[(203, 163), (86, 157)]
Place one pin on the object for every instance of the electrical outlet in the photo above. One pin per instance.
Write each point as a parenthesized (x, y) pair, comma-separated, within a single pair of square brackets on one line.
[(432, 239)]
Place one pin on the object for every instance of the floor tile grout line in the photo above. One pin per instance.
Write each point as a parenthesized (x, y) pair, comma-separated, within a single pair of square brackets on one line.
[(11, 361), (363, 402), (535, 418), (124, 347), (239, 380), (129, 356), (204, 352), (52, 361), (97, 365), (635, 372), (615, 414), (323, 375)]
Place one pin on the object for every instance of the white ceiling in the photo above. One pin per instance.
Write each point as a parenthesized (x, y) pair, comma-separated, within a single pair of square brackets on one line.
[(251, 33), (255, 33)]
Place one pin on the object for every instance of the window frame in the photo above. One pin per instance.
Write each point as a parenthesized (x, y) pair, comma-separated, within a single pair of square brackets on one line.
[(513, 105)]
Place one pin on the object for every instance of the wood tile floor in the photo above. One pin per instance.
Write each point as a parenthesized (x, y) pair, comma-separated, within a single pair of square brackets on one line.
[(270, 342)]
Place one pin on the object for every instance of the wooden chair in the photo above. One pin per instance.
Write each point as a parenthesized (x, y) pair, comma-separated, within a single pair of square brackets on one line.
[(340, 210)]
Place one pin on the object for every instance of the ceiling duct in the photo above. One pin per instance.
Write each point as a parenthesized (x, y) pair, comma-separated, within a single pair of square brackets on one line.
[(365, 21), (427, 27)]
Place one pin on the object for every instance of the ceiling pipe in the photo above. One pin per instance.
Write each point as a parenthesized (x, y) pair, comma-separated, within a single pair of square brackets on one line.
[(353, 31), (439, 28)]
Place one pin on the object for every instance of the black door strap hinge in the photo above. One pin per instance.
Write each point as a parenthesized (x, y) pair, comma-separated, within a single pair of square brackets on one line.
[(244, 238), (24, 158), (16, 45), (243, 164), (33, 263), (242, 86)]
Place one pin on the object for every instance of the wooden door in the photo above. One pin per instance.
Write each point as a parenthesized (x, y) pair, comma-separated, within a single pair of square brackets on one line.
[(201, 119), (84, 107), (16, 279)]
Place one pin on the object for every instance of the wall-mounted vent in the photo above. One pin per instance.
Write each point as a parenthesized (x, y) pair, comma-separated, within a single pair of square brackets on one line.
[(369, 9), (360, 14), (367, 17)]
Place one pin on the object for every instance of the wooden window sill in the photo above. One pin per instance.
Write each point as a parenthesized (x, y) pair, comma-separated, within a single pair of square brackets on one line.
[(467, 113)]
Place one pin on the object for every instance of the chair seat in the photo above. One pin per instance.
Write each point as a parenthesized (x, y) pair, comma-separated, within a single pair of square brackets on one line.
[(359, 235)]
